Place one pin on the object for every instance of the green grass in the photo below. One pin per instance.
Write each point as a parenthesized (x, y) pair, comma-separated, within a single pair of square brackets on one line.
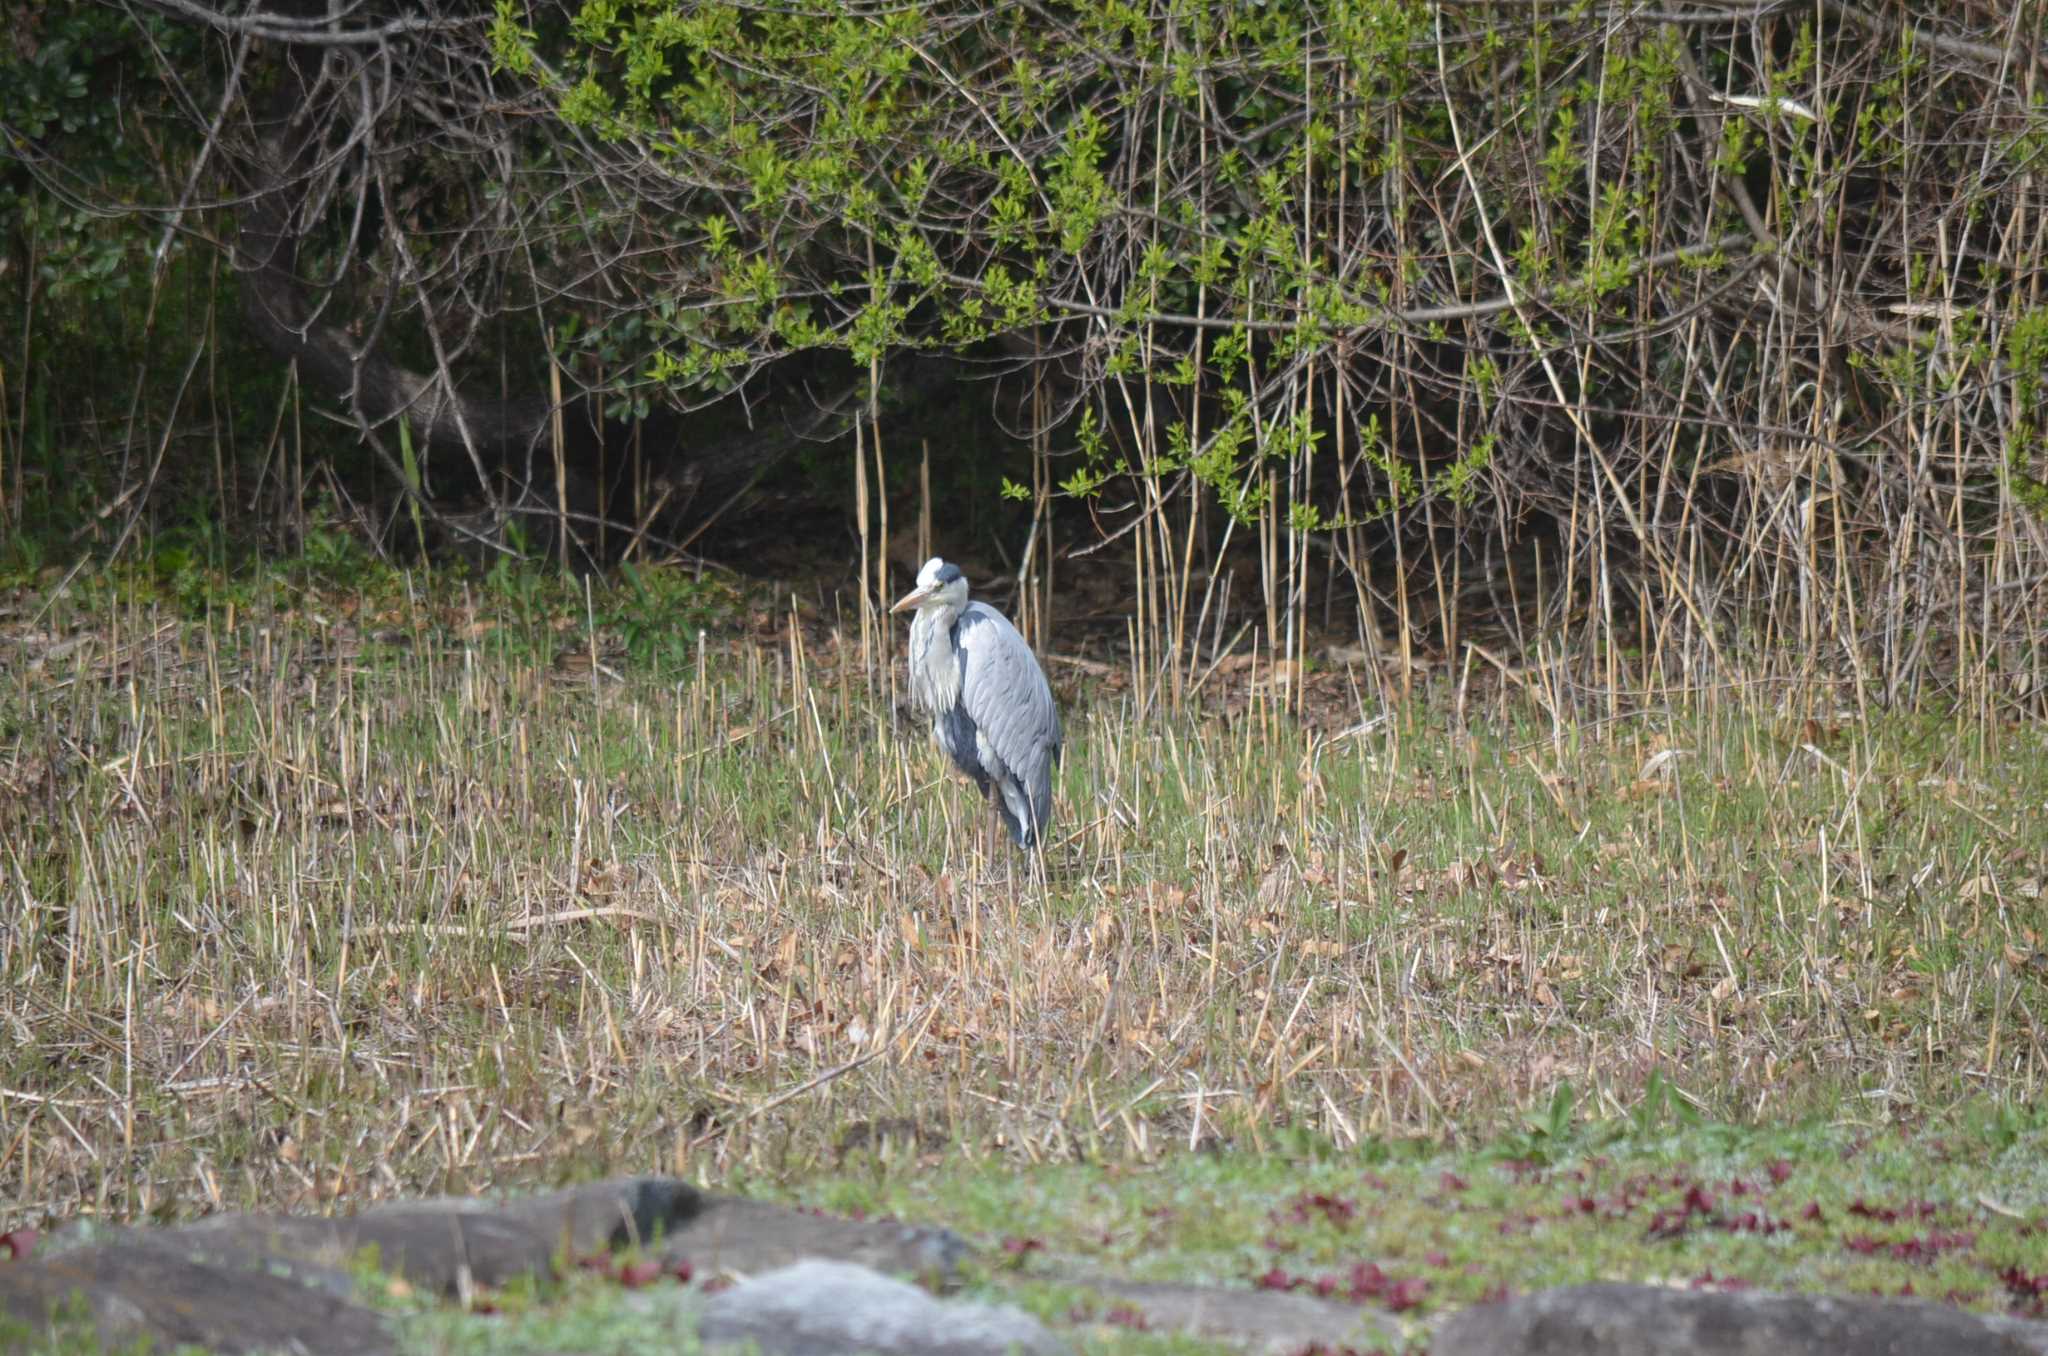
[(1780, 1208), (1659, 1196), (325, 888), (585, 1315)]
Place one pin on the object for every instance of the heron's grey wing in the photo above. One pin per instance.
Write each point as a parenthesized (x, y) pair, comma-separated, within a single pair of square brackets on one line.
[(1005, 694)]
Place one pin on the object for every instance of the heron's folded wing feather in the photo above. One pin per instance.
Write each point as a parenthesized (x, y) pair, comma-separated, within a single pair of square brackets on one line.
[(1005, 693)]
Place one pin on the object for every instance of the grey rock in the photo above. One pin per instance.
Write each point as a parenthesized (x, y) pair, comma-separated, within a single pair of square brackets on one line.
[(1639, 1320), (144, 1289), (1268, 1322), (239, 1283), (820, 1308), (745, 1237), (445, 1244)]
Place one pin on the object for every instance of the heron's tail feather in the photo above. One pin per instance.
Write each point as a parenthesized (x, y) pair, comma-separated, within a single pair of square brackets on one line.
[(1041, 802), (1016, 810)]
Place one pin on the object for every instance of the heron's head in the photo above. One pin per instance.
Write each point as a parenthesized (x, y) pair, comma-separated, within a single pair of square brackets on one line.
[(938, 585)]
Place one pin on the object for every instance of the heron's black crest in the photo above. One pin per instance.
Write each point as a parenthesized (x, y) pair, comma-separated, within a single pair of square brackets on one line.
[(947, 573)]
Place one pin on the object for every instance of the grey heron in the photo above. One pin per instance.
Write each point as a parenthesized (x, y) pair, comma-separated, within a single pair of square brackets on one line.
[(990, 706)]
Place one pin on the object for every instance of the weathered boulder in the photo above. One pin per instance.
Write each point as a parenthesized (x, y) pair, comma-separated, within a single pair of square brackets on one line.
[(732, 1234), (242, 1283), (1641, 1320), (445, 1244), (149, 1289), (820, 1308)]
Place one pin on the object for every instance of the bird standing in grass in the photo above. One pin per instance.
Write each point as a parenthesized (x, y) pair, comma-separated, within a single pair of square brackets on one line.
[(990, 706)]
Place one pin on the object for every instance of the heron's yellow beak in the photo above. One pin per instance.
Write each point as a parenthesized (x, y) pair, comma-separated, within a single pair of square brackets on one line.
[(911, 599)]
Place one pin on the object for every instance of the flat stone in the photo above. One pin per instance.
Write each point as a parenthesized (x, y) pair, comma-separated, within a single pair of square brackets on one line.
[(275, 1282), (742, 1237), (143, 1289), (820, 1308), (446, 1244), (1267, 1322), (1639, 1320)]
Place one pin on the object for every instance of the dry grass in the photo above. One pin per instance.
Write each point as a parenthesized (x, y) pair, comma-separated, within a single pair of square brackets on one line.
[(418, 892)]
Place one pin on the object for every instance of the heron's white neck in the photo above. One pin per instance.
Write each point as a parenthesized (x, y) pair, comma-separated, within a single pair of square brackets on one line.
[(934, 671)]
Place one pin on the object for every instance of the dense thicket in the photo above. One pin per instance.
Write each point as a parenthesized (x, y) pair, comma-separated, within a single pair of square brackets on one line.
[(1694, 317)]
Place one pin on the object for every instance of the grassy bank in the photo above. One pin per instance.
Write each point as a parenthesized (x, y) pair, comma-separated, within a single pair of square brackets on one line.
[(325, 894)]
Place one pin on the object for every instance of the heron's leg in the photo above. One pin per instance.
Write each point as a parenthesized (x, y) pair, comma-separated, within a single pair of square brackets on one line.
[(978, 857), (992, 834)]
